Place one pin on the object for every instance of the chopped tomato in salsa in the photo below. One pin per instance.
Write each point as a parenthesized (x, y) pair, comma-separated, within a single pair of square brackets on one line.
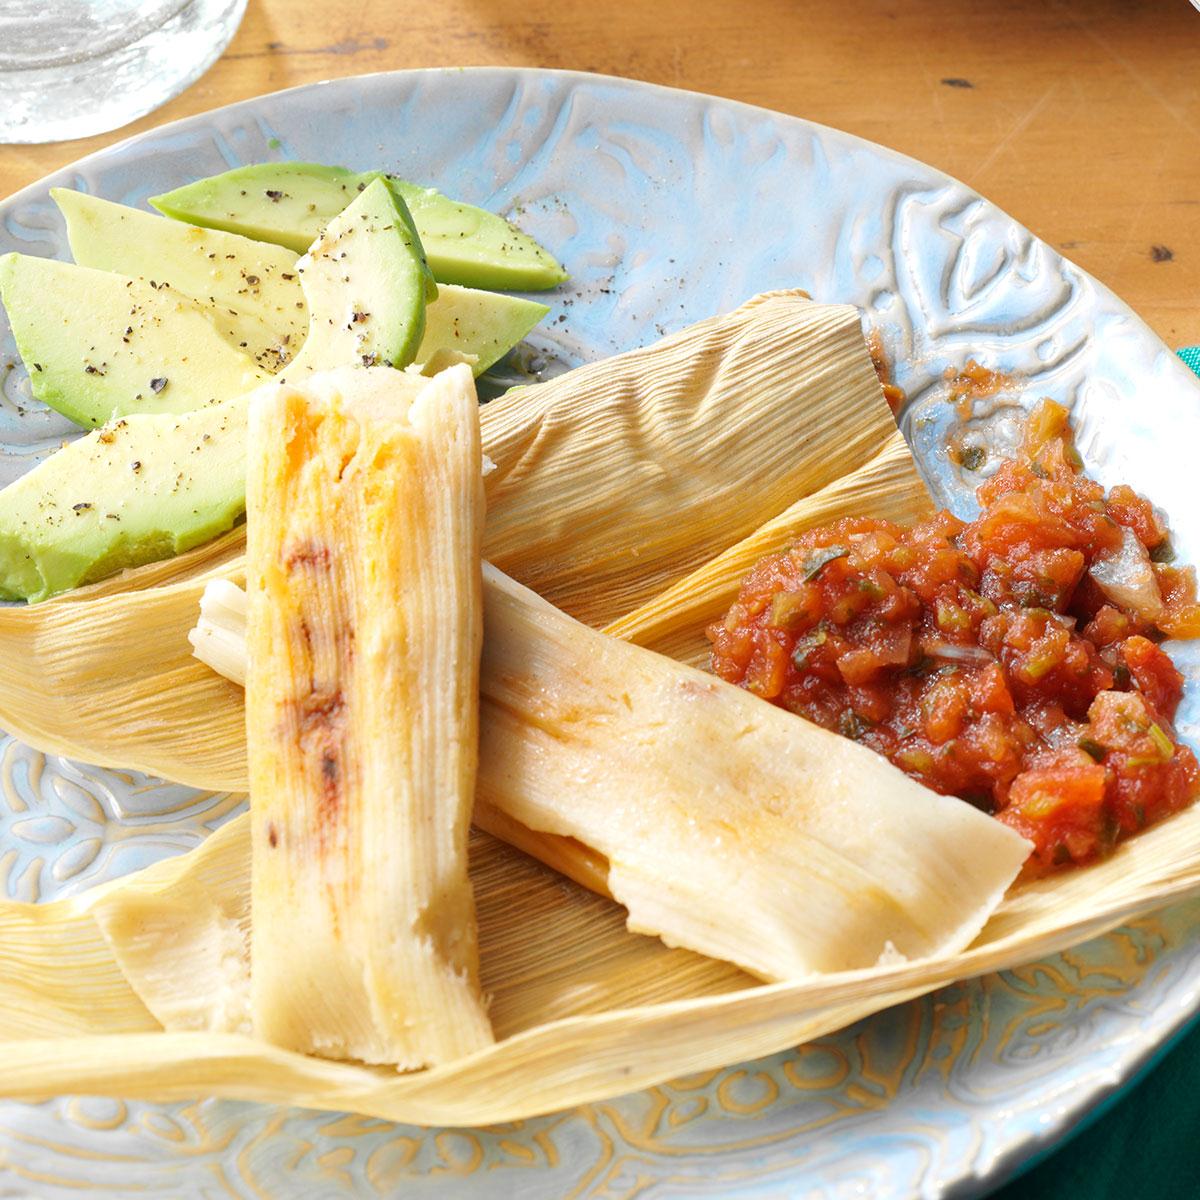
[(1012, 660)]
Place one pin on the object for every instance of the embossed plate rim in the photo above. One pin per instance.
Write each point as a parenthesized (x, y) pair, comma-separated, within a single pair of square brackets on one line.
[(1009, 1159)]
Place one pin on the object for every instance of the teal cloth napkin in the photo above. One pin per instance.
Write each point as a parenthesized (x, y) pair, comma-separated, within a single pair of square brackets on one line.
[(1141, 1144)]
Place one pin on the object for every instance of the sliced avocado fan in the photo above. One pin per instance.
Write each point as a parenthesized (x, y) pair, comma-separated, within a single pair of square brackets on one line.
[(150, 485), (136, 344), (289, 203), (253, 289)]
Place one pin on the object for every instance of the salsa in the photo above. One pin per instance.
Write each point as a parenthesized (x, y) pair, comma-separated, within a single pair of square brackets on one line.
[(1012, 660)]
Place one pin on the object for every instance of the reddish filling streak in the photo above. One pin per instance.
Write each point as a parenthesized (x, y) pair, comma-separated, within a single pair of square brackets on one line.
[(983, 659)]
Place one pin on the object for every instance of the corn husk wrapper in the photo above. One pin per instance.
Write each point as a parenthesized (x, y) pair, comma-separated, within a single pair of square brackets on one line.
[(583, 1009), (886, 486), (611, 482)]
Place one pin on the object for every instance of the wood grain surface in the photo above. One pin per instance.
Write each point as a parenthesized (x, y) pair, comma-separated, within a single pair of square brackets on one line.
[(1081, 119)]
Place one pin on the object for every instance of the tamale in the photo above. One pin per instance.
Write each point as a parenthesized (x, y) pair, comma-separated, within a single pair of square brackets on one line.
[(365, 514), (611, 482), (694, 791)]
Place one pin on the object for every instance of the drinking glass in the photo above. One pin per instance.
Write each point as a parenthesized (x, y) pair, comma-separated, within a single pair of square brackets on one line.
[(70, 68)]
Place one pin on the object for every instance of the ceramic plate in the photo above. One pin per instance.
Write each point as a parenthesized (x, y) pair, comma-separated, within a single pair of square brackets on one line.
[(666, 207)]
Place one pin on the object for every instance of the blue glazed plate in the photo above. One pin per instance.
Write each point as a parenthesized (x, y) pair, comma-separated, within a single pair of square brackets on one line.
[(666, 207)]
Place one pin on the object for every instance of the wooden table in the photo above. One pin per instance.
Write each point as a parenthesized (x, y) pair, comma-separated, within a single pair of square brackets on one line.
[(1081, 119)]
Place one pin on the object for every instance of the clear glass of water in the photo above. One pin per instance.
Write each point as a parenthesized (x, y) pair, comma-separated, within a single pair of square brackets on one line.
[(71, 68)]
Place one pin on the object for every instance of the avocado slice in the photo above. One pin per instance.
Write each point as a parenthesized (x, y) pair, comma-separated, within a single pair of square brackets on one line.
[(149, 485), (142, 488), (366, 282), (253, 291), (481, 326), (288, 203), (97, 344)]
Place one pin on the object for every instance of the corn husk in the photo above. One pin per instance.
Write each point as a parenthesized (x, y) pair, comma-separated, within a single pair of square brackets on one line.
[(611, 482), (640, 468), (886, 486), (568, 955), (364, 626), (583, 1009)]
